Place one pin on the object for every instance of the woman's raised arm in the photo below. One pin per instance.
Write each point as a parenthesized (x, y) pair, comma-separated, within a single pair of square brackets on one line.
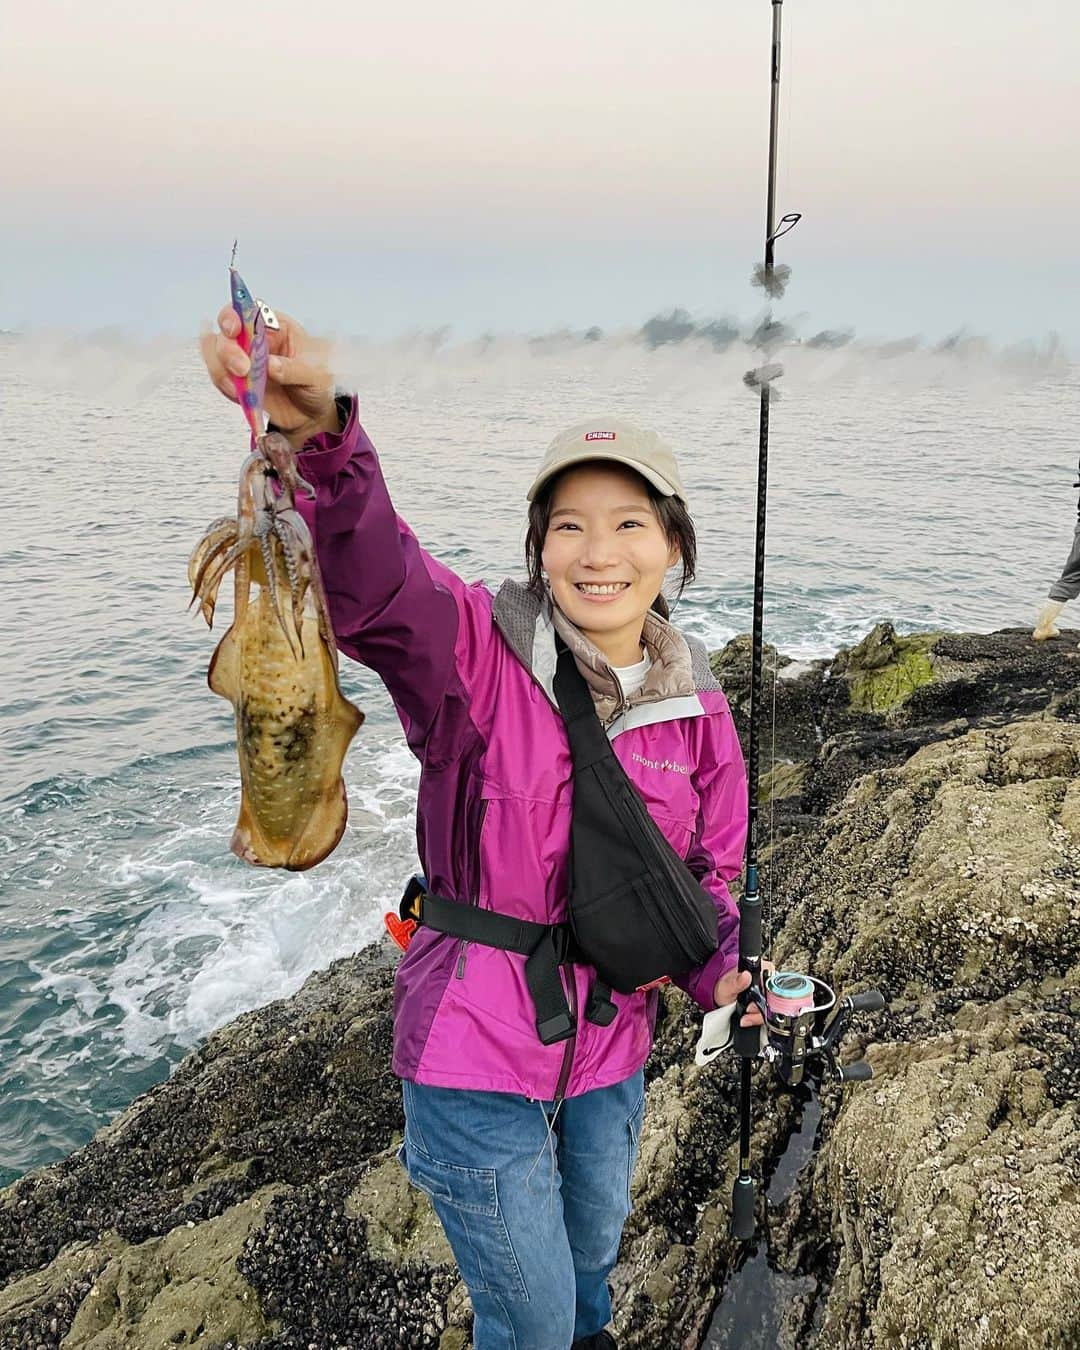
[(393, 607)]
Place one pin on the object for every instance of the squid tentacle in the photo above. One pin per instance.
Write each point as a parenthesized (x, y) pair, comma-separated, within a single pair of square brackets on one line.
[(210, 584), (207, 552), (272, 586), (288, 550), (296, 565), (312, 578), (222, 528), (203, 560)]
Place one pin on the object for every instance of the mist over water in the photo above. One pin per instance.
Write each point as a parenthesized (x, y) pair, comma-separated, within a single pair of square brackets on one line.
[(926, 484)]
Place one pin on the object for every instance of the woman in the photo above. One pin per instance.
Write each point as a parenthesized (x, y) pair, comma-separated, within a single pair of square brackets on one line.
[(526, 1148)]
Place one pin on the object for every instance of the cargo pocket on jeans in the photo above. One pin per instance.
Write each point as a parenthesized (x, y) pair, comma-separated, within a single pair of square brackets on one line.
[(466, 1200)]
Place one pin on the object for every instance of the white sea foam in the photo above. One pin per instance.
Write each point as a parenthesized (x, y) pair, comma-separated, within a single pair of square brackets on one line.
[(69, 987), (55, 1047), (190, 967), (229, 938)]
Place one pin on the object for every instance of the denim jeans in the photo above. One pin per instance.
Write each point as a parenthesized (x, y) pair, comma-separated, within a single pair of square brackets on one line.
[(532, 1210)]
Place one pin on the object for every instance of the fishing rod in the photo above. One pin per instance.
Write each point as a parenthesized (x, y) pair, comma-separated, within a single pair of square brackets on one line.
[(804, 1018)]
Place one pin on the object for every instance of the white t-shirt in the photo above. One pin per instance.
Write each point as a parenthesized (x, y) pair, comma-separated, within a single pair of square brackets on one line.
[(631, 678)]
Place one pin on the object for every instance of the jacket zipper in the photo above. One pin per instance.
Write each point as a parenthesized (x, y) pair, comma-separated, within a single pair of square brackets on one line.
[(571, 1041), (463, 945)]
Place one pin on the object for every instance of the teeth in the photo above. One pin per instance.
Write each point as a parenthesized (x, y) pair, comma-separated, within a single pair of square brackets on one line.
[(609, 588)]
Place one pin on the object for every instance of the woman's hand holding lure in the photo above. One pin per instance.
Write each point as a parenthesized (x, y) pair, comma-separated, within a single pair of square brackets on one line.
[(299, 398)]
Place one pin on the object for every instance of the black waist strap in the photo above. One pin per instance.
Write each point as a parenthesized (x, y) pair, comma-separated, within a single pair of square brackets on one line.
[(545, 946), (485, 925)]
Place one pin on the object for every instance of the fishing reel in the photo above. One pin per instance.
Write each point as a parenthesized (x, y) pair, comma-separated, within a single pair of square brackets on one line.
[(804, 1023)]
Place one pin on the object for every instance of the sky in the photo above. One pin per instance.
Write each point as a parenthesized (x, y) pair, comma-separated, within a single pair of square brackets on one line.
[(521, 167)]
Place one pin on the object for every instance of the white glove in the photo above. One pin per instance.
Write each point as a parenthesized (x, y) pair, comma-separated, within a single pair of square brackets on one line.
[(716, 1033)]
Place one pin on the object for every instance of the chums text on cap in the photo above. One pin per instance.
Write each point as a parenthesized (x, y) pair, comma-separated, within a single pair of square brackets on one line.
[(599, 435)]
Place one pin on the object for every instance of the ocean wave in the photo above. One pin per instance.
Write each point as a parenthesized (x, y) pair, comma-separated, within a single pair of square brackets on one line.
[(65, 790), (128, 944), (185, 935)]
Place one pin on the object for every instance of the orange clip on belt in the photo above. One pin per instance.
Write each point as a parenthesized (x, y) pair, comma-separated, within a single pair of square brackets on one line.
[(401, 930)]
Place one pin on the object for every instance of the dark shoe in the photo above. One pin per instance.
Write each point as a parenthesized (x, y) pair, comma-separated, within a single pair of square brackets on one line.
[(599, 1340)]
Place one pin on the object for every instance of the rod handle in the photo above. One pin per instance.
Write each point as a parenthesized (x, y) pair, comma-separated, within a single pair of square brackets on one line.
[(750, 928), (859, 1072), (742, 1209), (870, 1000)]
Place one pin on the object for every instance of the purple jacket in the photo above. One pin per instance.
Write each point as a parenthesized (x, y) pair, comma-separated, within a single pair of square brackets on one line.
[(470, 676)]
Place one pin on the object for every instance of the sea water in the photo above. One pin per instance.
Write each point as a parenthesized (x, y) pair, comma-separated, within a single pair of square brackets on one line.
[(931, 487)]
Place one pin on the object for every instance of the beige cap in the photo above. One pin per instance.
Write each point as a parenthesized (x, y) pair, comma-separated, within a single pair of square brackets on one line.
[(616, 439)]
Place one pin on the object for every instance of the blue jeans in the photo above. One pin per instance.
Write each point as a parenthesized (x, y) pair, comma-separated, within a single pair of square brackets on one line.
[(532, 1211)]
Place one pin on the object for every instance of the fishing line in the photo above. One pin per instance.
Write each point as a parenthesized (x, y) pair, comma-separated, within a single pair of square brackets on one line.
[(788, 81), (547, 1147)]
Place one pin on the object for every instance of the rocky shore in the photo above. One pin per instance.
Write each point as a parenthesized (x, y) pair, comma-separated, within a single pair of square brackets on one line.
[(923, 815)]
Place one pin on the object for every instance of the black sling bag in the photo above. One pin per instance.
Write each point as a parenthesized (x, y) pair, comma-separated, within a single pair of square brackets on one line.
[(636, 913), (635, 909)]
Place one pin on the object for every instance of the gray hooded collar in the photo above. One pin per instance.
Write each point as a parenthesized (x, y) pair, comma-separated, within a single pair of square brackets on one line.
[(680, 666)]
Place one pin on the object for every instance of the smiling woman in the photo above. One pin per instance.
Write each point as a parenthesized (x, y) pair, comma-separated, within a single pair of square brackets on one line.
[(607, 521), (516, 1037)]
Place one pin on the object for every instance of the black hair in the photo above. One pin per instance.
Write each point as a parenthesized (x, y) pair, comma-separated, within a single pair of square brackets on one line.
[(671, 512)]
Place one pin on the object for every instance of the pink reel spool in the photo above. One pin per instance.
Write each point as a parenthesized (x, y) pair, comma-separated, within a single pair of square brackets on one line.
[(789, 993)]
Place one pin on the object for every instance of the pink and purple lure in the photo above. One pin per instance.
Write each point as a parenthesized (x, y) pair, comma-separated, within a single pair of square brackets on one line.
[(252, 338)]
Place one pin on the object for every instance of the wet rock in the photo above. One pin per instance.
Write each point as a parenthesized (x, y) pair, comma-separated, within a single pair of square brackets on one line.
[(282, 1095), (795, 690), (949, 1184), (401, 1225), (957, 868), (963, 1231), (181, 1289), (313, 1265), (876, 703), (782, 781), (39, 1308)]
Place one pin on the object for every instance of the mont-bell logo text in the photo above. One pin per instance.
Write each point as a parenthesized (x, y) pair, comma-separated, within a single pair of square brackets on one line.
[(599, 435), (664, 765)]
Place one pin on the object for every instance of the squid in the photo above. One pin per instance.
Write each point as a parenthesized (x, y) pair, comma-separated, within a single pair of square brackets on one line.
[(277, 664)]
